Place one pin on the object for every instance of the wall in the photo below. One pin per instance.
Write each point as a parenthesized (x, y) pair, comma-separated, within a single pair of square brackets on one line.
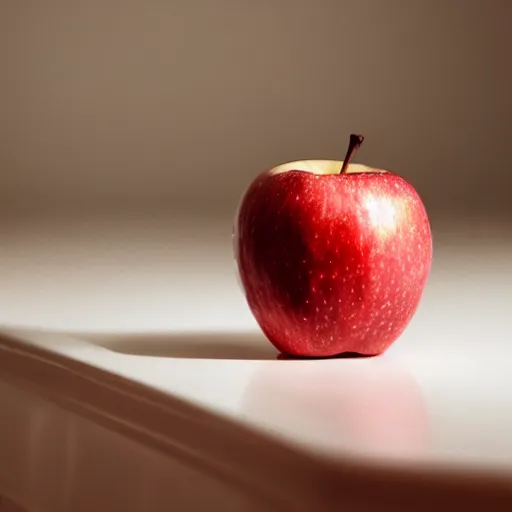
[(178, 104)]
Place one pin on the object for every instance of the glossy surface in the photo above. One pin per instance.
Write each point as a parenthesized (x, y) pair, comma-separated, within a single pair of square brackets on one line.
[(165, 368), (332, 263)]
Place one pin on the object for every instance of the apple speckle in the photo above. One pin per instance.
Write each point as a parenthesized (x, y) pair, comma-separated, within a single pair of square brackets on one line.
[(348, 255)]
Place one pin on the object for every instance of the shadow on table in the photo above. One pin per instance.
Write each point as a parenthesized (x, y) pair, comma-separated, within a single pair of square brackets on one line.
[(193, 345)]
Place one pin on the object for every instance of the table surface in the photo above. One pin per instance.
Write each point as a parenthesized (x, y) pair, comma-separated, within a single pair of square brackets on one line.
[(149, 309)]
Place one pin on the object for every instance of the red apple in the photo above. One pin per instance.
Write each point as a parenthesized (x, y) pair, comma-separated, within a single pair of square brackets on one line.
[(333, 256)]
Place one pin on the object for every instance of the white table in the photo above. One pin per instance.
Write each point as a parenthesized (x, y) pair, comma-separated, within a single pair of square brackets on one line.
[(133, 377)]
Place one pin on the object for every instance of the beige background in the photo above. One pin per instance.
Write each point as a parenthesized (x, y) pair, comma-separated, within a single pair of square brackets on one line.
[(178, 104)]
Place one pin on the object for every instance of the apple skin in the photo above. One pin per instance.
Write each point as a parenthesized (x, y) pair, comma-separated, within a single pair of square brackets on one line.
[(332, 263)]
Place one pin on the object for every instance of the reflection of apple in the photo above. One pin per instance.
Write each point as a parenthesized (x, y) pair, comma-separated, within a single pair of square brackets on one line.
[(369, 406), (331, 261)]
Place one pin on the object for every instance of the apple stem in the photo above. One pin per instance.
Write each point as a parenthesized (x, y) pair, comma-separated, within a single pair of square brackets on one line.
[(353, 145)]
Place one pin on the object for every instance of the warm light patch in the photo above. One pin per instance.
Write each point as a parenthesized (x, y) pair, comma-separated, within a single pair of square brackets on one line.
[(321, 167), (382, 212)]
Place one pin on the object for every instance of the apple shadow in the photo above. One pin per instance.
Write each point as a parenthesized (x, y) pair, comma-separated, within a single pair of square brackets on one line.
[(188, 345), (199, 345), (342, 355)]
